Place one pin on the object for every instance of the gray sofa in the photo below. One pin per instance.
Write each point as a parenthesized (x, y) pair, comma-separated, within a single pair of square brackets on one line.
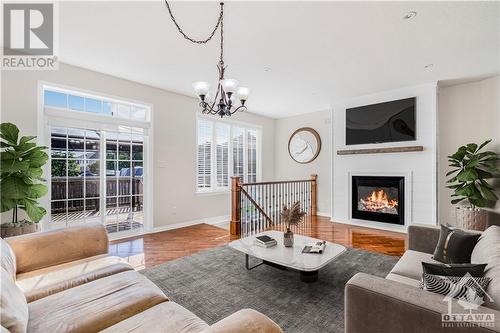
[(396, 304)]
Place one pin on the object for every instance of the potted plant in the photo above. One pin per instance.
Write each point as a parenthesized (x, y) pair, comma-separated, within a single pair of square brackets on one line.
[(21, 182), (291, 217), (472, 168)]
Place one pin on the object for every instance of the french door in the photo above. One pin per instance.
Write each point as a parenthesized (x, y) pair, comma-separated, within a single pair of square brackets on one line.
[(97, 176)]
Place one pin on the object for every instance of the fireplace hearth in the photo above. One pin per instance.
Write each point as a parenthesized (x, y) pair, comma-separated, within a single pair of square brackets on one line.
[(378, 198)]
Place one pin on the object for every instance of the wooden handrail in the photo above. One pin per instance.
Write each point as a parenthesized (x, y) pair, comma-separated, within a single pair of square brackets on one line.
[(278, 182)]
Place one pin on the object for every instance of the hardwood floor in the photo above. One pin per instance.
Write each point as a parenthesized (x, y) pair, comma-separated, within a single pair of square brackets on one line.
[(153, 249)]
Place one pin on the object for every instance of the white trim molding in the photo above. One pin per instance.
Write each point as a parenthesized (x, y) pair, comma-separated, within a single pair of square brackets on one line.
[(209, 220)]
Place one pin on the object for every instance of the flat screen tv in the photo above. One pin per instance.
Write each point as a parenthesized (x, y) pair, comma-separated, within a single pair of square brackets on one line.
[(383, 122)]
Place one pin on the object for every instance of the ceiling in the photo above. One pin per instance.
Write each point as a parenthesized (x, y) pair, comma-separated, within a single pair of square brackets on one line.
[(297, 57)]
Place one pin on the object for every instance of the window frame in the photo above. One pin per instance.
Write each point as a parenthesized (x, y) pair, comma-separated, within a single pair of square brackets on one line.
[(214, 189), (65, 117)]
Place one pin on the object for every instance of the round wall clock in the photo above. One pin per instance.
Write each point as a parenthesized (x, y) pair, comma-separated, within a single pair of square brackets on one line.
[(304, 145)]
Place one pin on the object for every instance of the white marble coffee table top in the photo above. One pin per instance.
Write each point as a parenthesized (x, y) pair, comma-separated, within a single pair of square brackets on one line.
[(291, 257)]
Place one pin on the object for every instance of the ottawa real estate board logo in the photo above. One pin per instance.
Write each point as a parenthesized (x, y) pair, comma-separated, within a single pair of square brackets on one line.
[(29, 36)]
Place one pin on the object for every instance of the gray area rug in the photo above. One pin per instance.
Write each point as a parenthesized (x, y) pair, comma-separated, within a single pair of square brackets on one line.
[(214, 284)]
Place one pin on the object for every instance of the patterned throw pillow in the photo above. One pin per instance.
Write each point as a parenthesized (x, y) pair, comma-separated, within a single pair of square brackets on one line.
[(460, 287)]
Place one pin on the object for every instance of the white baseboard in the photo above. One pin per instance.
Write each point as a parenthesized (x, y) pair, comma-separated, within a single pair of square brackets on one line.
[(323, 214), (208, 220), (373, 225)]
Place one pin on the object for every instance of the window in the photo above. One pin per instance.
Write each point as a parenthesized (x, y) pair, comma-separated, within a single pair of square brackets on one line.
[(225, 149), (98, 169), (76, 101)]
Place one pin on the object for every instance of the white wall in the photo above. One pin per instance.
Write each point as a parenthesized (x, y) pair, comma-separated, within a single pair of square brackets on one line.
[(174, 138), (468, 112), (421, 165), (285, 168)]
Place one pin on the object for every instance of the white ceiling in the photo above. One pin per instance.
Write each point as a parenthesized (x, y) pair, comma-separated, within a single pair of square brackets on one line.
[(318, 52)]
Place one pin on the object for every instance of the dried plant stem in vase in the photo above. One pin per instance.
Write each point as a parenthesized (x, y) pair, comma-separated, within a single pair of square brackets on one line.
[(291, 217)]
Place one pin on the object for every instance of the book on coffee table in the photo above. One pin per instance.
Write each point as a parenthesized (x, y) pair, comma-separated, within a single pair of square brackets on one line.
[(317, 247), (265, 241)]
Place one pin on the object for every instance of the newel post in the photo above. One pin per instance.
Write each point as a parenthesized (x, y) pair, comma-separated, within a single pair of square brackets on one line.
[(314, 194), (235, 225)]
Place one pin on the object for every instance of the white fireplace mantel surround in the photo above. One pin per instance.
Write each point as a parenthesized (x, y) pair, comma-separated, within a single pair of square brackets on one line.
[(418, 168)]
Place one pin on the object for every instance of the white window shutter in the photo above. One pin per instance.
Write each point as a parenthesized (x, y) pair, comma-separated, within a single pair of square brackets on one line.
[(222, 132), (204, 169)]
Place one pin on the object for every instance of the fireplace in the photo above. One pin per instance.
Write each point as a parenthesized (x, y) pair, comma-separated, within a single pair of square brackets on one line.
[(377, 198)]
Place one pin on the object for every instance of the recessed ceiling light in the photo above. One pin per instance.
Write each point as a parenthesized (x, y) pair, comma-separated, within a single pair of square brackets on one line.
[(267, 69), (409, 15), (429, 66)]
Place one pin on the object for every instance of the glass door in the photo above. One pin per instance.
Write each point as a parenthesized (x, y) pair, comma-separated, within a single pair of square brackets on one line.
[(97, 176)]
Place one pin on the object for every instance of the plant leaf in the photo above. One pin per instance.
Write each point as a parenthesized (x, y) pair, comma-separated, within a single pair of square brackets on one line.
[(483, 144), (14, 188), (471, 147), (467, 175), (7, 204), (25, 139), (37, 191), (35, 212), (9, 132)]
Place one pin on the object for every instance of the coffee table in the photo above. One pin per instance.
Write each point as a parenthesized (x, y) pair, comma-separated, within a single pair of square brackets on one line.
[(292, 258)]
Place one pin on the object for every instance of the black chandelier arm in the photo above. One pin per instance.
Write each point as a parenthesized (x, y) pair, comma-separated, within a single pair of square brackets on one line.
[(196, 41)]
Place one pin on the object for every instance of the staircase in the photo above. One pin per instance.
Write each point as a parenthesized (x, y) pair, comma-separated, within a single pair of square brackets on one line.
[(256, 207)]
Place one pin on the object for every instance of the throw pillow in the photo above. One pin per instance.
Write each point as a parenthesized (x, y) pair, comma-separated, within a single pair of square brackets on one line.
[(455, 245), (459, 287), (475, 270)]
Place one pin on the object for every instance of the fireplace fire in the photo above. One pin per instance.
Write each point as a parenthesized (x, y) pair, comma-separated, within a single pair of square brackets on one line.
[(377, 198), (379, 202)]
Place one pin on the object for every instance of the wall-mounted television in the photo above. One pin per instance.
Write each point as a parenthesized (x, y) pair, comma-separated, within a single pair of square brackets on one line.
[(383, 122)]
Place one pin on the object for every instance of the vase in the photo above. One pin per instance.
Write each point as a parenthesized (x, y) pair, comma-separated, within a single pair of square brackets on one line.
[(7, 230), (471, 218), (288, 238)]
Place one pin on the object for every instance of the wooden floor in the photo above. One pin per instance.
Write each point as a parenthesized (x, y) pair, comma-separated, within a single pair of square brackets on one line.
[(153, 249)]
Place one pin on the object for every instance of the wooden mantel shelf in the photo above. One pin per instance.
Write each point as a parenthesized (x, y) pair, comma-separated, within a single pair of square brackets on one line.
[(380, 150)]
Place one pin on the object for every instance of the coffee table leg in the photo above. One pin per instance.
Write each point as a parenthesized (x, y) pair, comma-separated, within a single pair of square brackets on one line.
[(309, 276), (247, 264)]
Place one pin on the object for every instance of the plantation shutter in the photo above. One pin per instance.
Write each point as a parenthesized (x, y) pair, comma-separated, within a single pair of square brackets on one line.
[(238, 143), (205, 137), (222, 133), (251, 156)]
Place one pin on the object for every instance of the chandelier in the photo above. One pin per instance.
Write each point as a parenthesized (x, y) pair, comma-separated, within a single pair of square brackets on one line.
[(223, 103)]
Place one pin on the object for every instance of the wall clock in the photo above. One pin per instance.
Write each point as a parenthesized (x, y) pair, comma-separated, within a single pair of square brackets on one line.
[(304, 145)]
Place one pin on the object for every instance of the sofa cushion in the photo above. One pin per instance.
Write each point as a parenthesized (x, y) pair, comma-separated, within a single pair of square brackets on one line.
[(403, 279), (487, 251), (47, 281), (43, 249), (167, 317), (410, 264), (8, 261), (13, 306), (96, 305)]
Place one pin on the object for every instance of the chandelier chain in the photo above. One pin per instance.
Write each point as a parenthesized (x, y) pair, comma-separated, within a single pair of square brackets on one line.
[(196, 41)]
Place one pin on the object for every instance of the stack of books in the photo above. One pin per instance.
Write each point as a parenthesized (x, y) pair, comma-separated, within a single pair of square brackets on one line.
[(265, 241)]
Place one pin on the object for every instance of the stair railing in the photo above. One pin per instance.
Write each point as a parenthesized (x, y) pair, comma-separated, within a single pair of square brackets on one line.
[(256, 207)]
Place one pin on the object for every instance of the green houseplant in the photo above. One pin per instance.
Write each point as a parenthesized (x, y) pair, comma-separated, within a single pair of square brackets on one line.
[(21, 182), (469, 180)]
